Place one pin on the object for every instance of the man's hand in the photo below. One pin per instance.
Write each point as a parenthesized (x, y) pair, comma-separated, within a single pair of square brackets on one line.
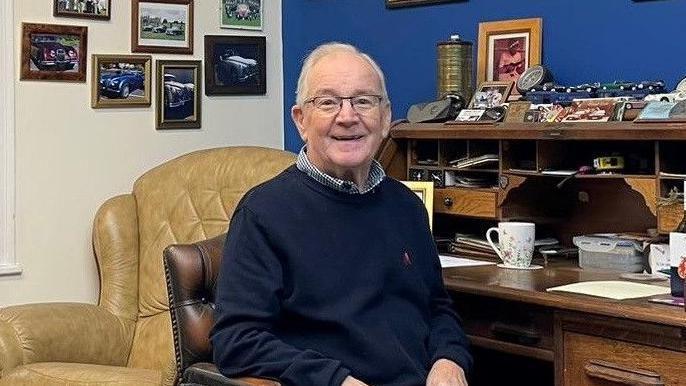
[(445, 372), (350, 381)]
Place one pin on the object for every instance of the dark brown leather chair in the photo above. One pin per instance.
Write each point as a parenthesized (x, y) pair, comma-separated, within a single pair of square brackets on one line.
[(191, 274)]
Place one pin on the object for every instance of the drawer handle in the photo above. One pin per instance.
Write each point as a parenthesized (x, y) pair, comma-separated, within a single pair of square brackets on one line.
[(448, 202), (596, 368), (517, 334)]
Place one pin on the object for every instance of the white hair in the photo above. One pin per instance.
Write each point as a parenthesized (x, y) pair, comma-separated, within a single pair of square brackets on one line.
[(328, 49)]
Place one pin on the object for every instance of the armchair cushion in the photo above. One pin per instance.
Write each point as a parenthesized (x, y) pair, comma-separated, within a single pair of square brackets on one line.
[(78, 374)]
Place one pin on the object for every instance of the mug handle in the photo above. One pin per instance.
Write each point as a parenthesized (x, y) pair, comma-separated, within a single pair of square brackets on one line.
[(490, 242)]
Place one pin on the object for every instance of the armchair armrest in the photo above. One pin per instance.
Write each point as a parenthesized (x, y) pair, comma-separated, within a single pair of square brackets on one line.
[(62, 332), (207, 374)]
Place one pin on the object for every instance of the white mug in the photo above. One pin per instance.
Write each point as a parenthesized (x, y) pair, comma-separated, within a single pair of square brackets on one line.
[(516, 241)]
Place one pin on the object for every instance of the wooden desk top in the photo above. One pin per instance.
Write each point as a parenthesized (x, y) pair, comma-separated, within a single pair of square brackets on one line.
[(529, 287)]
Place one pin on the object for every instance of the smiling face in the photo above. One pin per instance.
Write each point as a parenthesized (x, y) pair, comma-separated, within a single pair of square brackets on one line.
[(343, 144)]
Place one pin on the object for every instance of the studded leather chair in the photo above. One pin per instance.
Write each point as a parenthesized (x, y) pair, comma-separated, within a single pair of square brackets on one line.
[(191, 271), (126, 339)]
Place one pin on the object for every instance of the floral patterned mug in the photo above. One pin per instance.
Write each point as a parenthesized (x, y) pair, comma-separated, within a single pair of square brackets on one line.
[(516, 241)]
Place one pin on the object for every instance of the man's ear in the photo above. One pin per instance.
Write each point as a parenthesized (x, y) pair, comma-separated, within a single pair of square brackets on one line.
[(386, 120), (298, 116)]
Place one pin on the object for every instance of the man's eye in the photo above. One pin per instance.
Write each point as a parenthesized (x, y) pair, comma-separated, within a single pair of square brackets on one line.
[(327, 102), (364, 101)]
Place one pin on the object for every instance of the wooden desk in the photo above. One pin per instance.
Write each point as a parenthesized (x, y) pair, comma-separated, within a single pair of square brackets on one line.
[(588, 340)]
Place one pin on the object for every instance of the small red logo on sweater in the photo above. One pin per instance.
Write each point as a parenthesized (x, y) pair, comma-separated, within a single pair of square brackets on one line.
[(407, 260)]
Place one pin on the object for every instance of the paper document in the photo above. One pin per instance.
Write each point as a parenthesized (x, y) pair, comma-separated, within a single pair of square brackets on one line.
[(618, 290), (452, 261)]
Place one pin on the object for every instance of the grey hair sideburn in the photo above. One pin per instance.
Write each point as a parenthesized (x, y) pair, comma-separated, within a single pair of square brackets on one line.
[(327, 49)]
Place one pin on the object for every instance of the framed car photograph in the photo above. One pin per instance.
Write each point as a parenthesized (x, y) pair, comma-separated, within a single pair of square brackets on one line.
[(241, 14), (491, 94), (178, 94), (235, 65), (507, 48), (53, 52), (87, 9), (162, 26), (121, 81), (410, 3)]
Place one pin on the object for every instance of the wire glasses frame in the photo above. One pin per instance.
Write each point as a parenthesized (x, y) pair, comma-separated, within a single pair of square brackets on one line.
[(329, 104)]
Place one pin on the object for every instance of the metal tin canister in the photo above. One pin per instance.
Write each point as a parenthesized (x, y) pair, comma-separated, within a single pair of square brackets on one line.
[(454, 72)]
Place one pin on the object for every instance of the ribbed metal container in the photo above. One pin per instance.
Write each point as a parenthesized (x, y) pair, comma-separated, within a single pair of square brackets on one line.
[(455, 68)]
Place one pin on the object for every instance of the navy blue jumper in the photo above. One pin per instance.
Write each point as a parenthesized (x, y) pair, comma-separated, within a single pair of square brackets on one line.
[(318, 284)]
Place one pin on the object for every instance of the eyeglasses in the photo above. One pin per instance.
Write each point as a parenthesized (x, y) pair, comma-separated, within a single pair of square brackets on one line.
[(362, 104)]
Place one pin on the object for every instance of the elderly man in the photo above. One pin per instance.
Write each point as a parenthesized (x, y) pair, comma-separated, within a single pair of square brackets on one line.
[(330, 275)]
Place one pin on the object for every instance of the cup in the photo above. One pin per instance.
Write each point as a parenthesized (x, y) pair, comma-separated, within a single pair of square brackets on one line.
[(516, 241)]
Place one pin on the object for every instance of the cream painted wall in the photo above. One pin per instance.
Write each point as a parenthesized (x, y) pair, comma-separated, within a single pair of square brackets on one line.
[(71, 158)]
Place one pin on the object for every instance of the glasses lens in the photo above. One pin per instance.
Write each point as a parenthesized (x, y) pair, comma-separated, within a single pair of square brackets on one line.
[(327, 103), (364, 102)]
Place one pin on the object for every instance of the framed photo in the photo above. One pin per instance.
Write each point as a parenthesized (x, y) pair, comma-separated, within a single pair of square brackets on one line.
[(235, 65), (242, 14), (507, 48), (409, 3), (425, 191), (87, 9), (120, 80), (491, 94), (53, 52), (162, 26), (179, 84)]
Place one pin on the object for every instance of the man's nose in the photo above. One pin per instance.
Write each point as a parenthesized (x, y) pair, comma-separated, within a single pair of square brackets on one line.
[(347, 113)]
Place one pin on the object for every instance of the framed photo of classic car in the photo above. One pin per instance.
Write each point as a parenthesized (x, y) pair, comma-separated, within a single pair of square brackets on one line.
[(507, 48), (410, 3), (162, 26), (87, 9), (241, 14), (121, 81), (235, 65), (179, 95), (53, 52)]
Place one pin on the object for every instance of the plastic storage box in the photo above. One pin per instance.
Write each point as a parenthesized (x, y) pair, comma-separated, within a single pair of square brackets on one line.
[(610, 252)]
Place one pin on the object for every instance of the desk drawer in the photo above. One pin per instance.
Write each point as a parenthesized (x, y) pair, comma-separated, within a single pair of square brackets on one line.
[(507, 326), (466, 202), (591, 360)]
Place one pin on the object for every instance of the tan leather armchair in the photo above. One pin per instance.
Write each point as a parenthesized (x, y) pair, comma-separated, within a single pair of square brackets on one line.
[(126, 339)]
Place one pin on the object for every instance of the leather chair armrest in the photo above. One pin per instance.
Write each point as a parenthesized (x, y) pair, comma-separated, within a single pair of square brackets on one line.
[(207, 374), (62, 332)]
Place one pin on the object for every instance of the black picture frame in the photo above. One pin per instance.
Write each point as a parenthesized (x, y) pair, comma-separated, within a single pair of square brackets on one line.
[(177, 104), (59, 9), (235, 65), (412, 3)]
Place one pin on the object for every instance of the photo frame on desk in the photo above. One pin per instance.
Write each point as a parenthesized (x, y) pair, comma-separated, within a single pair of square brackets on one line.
[(491, 94), (425, 191), (507, 48)]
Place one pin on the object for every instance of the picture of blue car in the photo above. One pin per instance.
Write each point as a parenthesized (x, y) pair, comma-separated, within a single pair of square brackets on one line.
[(120, 83)]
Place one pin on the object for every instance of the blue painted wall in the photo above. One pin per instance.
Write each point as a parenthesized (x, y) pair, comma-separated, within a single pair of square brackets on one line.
[(583, 40)]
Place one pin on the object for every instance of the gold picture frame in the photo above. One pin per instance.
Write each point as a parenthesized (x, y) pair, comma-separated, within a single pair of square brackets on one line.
[(121, 81), (425, 191), (507, 48)]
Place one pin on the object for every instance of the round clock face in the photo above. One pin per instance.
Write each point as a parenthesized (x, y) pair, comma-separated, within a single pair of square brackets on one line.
[(682, 85), (533, 76)]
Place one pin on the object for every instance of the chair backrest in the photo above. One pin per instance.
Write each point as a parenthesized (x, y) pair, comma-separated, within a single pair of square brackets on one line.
[(191, 272)]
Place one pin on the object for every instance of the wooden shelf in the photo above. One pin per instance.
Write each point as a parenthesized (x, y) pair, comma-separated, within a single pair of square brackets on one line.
[(579, 176), (543, 131)]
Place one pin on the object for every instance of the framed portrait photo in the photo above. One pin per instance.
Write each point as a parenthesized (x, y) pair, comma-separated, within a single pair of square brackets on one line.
[(241, 14), (507, 48), (121, 81), (162, 26), (235, 65), (179, 95), (53, 52), (491, 94), (410, 3), (87, 9), (425, 191)]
